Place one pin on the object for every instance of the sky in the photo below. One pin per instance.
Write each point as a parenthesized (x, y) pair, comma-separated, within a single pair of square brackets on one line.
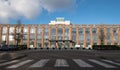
[(43, 11)]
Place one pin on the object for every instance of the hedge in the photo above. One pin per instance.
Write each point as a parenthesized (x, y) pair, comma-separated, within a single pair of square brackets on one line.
[(106, 47)]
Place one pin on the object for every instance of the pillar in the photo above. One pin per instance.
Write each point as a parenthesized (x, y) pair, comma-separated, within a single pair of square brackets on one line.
[(112, 35), (84, 37), (28, 39), (35, 35), (77, 35), (63, 34), (70, 31), (49, 36), (91, 36), (98, 35), (14, 36), (56, 36), (118, 35), (105, 34), (7, 36), (43, 36), (1, 28)]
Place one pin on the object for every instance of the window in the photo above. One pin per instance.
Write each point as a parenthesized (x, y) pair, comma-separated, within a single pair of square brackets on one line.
[(74, 34), (87, 30), (11, 38), (108, 30), (94, 31), (32, 30), (39, 31), (115, 30), (46, 33), (53, 31), (53, 34), (25, 30), (80, 31), (3, 37), (11, 30), (59, 31), (66, 31), (4, 30)]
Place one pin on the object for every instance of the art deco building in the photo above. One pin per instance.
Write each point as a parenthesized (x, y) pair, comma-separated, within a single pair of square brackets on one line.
[(60, 33)]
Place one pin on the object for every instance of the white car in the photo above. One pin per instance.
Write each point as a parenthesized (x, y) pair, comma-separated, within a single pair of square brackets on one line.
[(89, 47), (77, 46)]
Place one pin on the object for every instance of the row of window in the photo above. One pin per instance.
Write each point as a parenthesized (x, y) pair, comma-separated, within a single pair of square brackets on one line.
[(81, 30)]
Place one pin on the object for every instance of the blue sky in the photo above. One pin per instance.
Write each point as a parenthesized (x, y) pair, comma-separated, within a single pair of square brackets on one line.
[(83, 12)]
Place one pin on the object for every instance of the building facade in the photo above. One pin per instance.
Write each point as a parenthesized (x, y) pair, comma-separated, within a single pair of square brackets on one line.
[(60, 35)]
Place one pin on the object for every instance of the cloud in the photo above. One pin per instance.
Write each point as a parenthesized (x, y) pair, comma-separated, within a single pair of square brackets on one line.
[(13, 9)]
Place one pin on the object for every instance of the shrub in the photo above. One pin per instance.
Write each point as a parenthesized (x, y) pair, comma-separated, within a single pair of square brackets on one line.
[(106, 47)]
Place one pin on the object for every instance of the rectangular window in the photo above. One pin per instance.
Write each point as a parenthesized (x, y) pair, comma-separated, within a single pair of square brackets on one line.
[(94, 30), (59, 31), (74, 34), (4, 30), (80, 31), (46, 33), (32, 30), (53, 34), (25, 30), (87, 31), (11, 30)]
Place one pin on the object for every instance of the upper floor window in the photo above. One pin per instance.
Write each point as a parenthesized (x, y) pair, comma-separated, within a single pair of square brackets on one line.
[(87, 30), (39, 31), (4, 30), (74, 31), (94, 30), (32, 30), (67, 31), (108, 30), (25, 30), (115, 30), (11, 30), (53, 31), (59, 31), (80, 30)]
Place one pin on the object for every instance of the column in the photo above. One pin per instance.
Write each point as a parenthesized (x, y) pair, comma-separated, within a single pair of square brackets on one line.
[(105, 34), (1, 28), (7, 36), (70, 36), (14, 35), (118, 35), (84, 37), (56, 36), (91, 36), (42, 36), (63, 35), (28, 39), (98, 35), (112, 35), (49, 36), (77, 35), (35, 35)]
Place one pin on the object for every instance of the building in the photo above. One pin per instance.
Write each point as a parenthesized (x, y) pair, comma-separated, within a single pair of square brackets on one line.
[(60, 33)]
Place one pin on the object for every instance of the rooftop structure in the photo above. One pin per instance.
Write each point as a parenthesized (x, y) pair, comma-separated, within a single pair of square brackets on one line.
[(60, 21)]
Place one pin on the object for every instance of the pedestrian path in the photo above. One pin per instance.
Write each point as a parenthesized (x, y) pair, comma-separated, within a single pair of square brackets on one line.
[(88, 63)]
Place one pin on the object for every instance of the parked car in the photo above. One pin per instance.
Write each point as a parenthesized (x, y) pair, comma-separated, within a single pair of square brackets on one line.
[(77, 46), (13, 47), (4, 48), (89, 47)]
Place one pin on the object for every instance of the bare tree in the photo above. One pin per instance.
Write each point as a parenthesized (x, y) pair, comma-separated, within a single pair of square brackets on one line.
[(102, 37), (19, 36)]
